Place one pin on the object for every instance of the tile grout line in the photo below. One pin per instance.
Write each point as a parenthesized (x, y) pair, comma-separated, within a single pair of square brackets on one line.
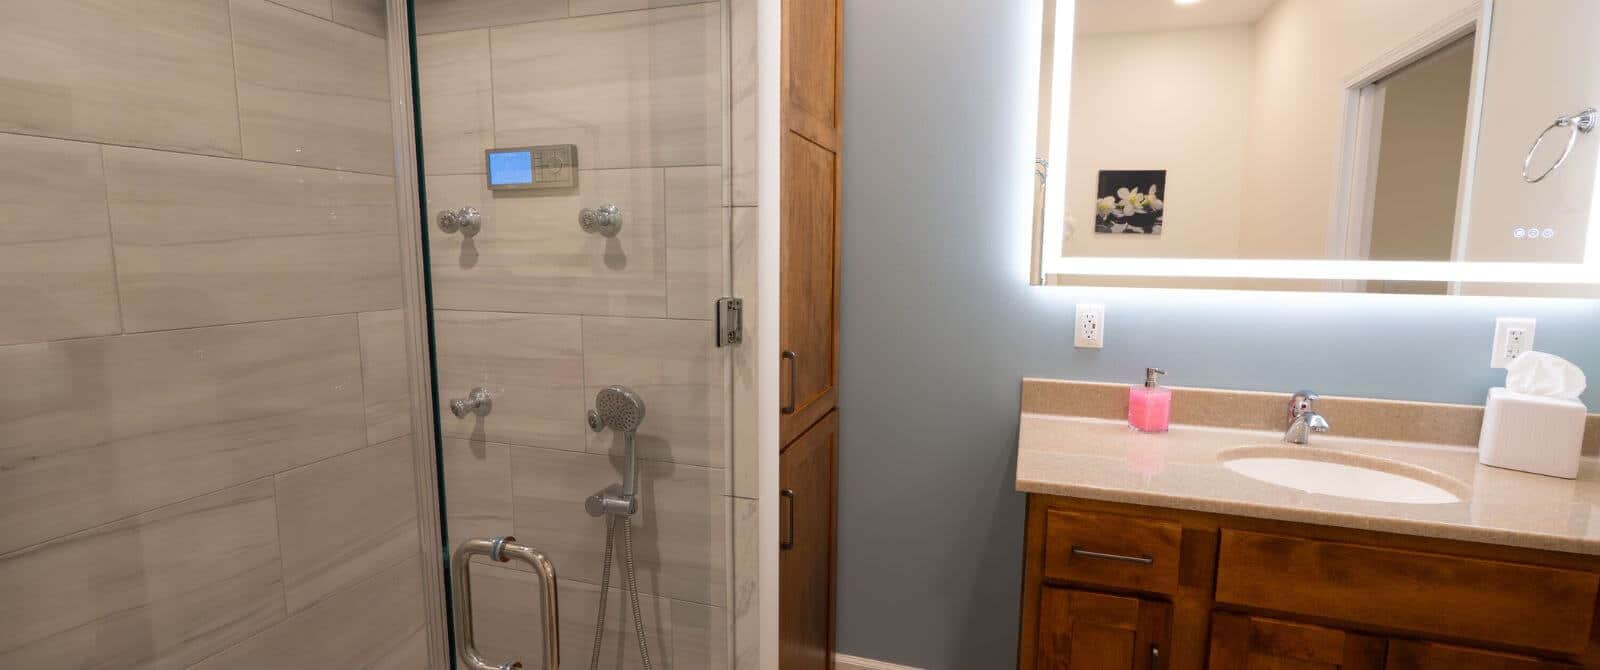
[(283, 570), (196, 154), (569, 16)]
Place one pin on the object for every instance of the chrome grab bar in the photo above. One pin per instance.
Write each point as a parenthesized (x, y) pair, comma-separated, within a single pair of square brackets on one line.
[(502, 549)]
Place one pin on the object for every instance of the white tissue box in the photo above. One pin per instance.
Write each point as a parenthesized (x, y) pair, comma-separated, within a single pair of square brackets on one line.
[(1532, 433)]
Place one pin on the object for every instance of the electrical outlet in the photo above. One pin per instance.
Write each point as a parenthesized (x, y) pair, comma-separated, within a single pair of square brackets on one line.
[(1512, 337), (1090, 329)]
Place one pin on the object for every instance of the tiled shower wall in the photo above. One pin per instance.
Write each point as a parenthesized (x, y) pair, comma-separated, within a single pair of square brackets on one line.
[(205, 455), (658, 97)]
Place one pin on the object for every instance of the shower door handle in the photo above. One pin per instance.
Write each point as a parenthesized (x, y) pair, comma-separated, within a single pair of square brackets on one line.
[(502, 549)]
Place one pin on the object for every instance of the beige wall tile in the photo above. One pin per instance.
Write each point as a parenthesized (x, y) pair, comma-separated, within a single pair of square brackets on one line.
[(532, 365), (159, 590), (311, 92), (745, 448), (157, 73), (477, 489), (679, 532), (746, 596), (508, 624), (322, 8), (697, 241), (531, 256), (344, 519), (678, 371), (742, 92), (438, 16), (375, 620), (109, 427), (583, 7), (368, 16), (456, 103), (385, 383), (55, 242), (203, 241), (631, 89), (699, 636)]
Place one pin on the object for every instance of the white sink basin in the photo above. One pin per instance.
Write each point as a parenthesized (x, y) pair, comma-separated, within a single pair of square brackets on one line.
[(1343, 474)]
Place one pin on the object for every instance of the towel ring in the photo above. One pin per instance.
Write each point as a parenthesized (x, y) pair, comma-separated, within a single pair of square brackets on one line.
[(1576, 124)]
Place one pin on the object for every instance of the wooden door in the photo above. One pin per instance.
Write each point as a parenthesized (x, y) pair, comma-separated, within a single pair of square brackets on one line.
[(806, 473), (1418, 655), (1084, 630), (809, 213), (1240, 642)]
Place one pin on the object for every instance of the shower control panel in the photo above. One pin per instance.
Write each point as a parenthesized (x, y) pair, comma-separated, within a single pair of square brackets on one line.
[(551, 166)]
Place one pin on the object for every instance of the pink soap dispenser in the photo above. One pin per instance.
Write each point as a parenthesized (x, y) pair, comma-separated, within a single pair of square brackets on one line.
[(1150, 406)]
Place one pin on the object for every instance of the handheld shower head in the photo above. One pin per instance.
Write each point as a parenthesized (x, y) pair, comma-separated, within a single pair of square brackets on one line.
[(617, 408)]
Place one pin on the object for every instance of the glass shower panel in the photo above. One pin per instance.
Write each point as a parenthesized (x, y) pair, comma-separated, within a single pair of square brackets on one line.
[(582, 275)]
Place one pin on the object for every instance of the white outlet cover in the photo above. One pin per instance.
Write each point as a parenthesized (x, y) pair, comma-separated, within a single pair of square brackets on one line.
[(1089, 328), (1512, 336)]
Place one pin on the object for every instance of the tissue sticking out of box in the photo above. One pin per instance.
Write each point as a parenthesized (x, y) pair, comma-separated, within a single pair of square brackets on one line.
[(1547, 375)]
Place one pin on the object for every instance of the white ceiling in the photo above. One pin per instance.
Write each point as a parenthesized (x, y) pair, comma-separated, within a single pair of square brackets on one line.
[(1129, 16)]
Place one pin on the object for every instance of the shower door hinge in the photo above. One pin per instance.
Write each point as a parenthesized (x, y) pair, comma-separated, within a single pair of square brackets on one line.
[(730, 321)]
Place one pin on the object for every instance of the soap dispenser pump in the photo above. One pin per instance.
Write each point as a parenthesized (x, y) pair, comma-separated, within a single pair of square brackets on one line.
[(1150, 405)]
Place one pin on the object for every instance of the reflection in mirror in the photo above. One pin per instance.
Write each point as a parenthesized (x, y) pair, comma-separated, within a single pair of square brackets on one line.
[(1207, 142)]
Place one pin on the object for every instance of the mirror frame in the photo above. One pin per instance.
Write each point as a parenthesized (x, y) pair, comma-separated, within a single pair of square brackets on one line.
[(1055, 84)]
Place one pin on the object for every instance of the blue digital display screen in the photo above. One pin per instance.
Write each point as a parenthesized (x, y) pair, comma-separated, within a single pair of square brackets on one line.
[(511, 168)]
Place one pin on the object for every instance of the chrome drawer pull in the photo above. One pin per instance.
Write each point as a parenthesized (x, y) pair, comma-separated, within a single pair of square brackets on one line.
[(1141, 560)]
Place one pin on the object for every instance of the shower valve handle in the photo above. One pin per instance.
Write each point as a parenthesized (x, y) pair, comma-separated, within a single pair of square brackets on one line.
[(478, 402)]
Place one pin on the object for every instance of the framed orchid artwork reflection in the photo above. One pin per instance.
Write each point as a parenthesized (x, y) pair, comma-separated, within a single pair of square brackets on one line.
[(1130, 201)]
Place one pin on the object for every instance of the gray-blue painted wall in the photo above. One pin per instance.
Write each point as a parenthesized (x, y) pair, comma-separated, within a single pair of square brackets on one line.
[(939, 327)]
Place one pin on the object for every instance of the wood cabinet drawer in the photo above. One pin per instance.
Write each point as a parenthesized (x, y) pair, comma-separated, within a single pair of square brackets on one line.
[(1112, 550), (1418, 655), (1452, 596)]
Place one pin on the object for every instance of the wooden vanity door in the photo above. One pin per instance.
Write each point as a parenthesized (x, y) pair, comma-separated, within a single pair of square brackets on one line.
[(1418, 655), (806, 470), (1084, 630), (1240, 642)]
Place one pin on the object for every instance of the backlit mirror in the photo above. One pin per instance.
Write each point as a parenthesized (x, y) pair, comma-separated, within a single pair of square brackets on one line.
[(1326, 145)]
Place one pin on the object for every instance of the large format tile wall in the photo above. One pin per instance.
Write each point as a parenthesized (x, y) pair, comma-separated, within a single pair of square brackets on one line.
[(205, 441), (658, 97)]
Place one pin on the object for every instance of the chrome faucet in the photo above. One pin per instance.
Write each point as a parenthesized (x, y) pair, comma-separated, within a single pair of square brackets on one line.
[(1303, 420)]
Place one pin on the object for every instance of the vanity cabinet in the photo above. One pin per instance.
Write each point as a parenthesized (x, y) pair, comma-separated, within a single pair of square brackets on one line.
[(1147, 587)]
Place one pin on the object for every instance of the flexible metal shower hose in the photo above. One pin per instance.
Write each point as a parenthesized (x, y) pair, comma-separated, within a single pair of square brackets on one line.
[(630, 582)]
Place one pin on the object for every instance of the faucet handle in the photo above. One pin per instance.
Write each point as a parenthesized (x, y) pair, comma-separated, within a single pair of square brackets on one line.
[(1302, 402)]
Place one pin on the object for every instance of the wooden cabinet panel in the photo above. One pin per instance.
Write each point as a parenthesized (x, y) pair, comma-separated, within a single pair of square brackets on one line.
[(1083, 630), (812, 68), (1112, 550), (1240, 642), (808, 328), (806, 471), (1418, 655), (1451, 596)]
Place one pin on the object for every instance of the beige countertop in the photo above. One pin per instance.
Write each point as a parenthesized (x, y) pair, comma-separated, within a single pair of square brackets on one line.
[(1101, 458)]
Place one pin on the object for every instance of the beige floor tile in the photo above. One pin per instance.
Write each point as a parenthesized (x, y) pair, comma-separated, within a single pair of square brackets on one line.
[(119, 425), (344, 519), (55, 242), (531, 255), (385, 382), (678, 372), (679, 531), (365, 626), (311, 92), (455, 102), (368, 16), (477, 490), (157, 73), (510, 627), (532, 366), (205, 241), (438, 16), (631, 89), (158, 590), (697, 241), (745, 447)]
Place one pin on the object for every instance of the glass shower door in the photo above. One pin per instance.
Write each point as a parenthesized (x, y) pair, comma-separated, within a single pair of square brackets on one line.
[(584, 405)]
